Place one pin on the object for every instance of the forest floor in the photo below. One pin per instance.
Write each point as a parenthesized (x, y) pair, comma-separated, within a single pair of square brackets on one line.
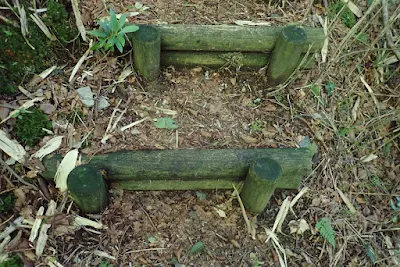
[(349, 105)]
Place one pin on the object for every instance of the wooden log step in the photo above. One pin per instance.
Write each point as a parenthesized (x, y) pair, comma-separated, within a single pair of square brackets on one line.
[(170, 169)]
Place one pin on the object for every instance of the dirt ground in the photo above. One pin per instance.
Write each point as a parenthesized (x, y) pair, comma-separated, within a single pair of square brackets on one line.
[(353, 114)]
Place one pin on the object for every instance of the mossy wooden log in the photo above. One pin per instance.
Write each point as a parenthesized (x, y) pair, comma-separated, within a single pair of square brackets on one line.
[(219, 59), (231, 38), (146, 51), (286, 54), (88, 189), (219, 167), (260, 184)]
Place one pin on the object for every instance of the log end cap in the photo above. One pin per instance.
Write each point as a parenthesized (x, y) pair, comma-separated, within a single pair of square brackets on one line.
[(85, 179), (267, 169), (294, 34), (147, 33)]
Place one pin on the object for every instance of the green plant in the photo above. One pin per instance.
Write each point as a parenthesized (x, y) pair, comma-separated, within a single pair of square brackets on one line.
[(330, 87), (13, 261), (30, 124), (396, 207), (325, 228), (257, 126), (139, 7), (76, 115), (166, 123), (105, 264), (112, 33), (198, 247), (370, 253), (346, 16), (6, 202)]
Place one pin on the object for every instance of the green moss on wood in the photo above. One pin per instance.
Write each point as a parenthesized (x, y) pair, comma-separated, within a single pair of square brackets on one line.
[(230, 38), (217, 59), (286, 55), (260, 183), (226, 165), (177, 184), (146, 51)]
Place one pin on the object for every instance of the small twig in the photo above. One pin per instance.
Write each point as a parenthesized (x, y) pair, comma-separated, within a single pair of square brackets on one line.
[(251, 230), (16, 175), (146, 249), (148, 217), (44, 188), (389, 37)]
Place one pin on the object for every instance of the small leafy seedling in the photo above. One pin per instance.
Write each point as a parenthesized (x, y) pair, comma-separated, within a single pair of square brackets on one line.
[(196, 248), (19, 113), (330, 87), (325, 228), (139, 7), (257, 126), (112, 33), (166, 123)]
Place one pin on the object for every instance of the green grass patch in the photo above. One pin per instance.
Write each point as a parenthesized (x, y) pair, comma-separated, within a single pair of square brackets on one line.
[(29, 126), (18, 60), (7, 201)]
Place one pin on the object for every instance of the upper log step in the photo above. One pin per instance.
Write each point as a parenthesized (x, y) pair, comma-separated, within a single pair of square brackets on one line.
[(181, 37)]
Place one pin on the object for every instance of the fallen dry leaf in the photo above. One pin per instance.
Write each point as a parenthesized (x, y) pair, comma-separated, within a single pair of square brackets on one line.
[(249, 139)]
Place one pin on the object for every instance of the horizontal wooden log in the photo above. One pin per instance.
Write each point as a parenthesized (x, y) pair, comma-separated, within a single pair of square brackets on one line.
[(177, 184), (249, 60), (223, 166), (230, 38)]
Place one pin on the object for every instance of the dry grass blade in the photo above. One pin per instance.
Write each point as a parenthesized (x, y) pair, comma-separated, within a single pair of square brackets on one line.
[(277, 246), (47, 72), (78, 19), (133, 124), (353, 8), (303, 191), (43, 27), (346, 200), (103, 254), (26, 105), (345, 40), (48, 148), (389, 37), (12, 148), (12, 227), (82, 221), (80, 62), (3, 244), (370, 92), (66, 166), (22, 18), (42, 239), (250, 229), (36, 224), (280, 217)]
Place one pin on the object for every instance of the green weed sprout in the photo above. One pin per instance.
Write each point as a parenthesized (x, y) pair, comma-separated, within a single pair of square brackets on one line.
[(112, 33)]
